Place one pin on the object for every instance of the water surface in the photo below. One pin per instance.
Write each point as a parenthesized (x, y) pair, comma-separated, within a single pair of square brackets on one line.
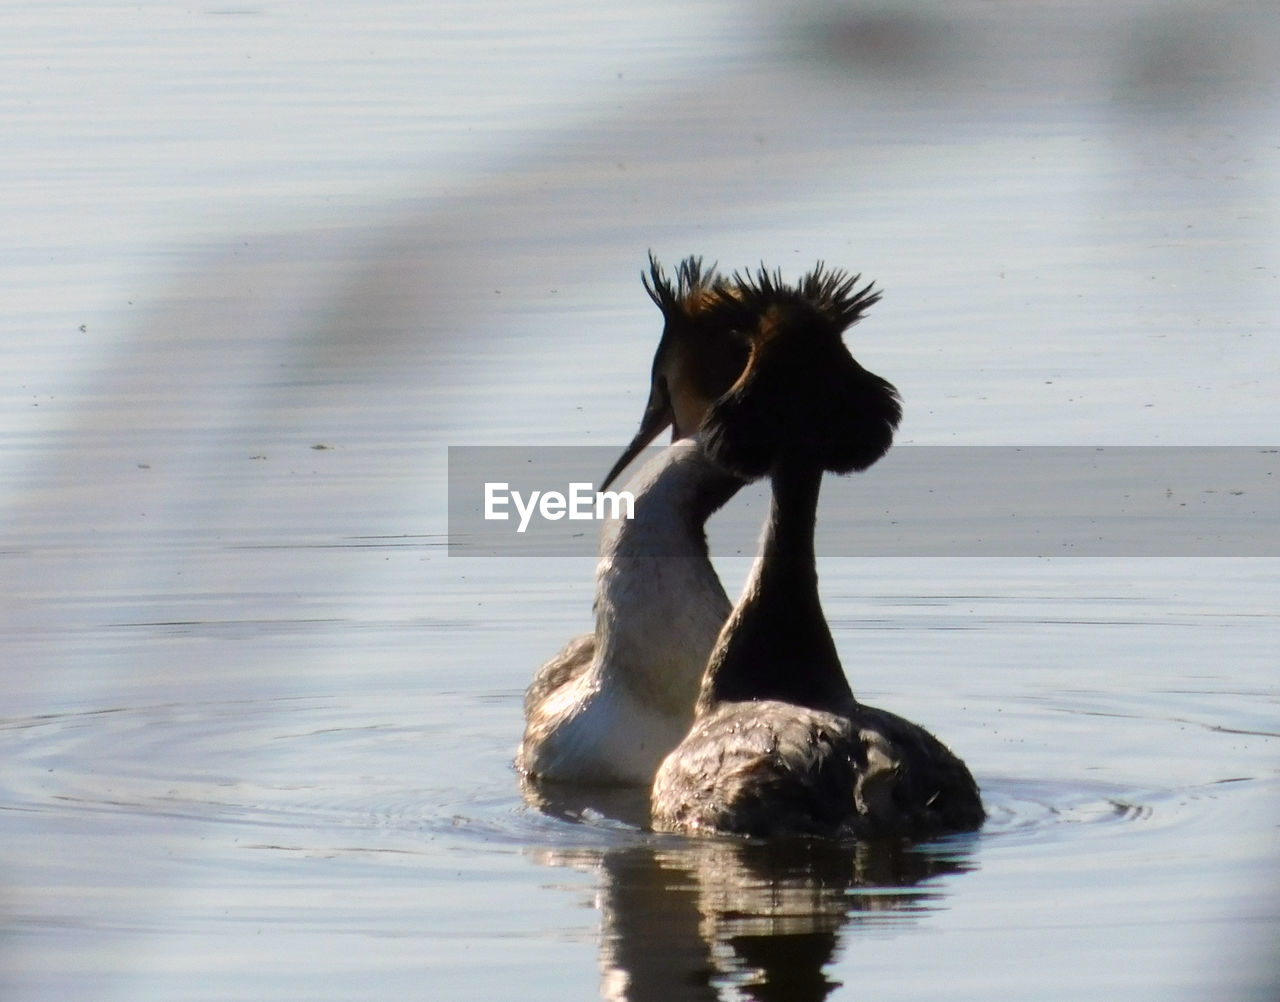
[(266, 264)]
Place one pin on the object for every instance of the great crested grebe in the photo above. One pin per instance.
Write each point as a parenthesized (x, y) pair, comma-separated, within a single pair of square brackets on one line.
[(779, 744), (610, 706)]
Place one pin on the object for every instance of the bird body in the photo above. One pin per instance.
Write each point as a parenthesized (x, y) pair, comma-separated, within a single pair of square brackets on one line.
[(614, 702), (779, 744), (609, 707)]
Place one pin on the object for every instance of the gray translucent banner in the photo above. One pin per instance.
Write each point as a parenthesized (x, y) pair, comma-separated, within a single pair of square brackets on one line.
[(919, 501)]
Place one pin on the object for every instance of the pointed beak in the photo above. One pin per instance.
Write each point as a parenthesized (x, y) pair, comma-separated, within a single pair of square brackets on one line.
[(657, 417)]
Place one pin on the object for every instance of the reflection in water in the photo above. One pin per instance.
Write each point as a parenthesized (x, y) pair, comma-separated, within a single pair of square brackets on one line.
[(1055, 188), (695, 918)]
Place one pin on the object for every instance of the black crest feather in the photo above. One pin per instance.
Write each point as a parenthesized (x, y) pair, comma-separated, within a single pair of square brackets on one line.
[(692, 282), (802, 396), (836, 294), (833, 292)]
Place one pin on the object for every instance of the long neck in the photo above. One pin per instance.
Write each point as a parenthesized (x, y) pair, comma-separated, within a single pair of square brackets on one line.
[(674, 495), (659, 603), (776, 644)]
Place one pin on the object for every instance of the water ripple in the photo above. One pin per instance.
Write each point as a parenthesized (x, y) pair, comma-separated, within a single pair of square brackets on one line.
[(324, 772)]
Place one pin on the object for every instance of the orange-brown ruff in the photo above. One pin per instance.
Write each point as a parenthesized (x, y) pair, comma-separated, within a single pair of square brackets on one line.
[(779, 744), (610, 706)]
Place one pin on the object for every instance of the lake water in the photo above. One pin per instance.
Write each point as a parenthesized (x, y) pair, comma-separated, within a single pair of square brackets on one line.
[(265, 263)]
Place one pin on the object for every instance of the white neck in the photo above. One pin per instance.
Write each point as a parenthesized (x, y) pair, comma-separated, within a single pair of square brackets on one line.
[(659, 604), (659, 608)]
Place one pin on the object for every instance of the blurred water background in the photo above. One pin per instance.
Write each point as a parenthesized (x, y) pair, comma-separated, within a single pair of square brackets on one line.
[(264, 263)]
